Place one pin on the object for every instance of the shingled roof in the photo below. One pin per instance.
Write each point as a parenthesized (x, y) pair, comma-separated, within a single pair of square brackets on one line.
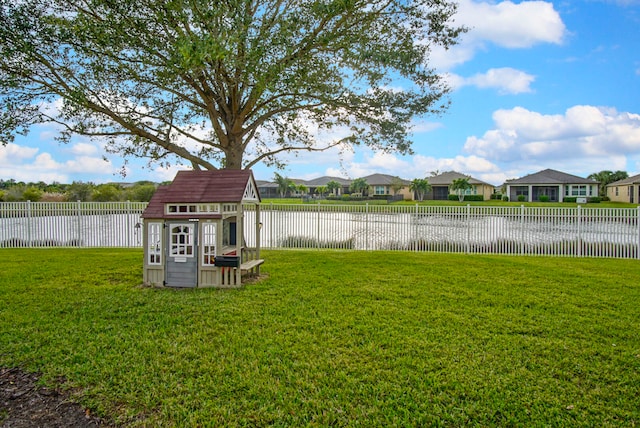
[(217, 186), (635, 179), (447, 178), (551, 176)]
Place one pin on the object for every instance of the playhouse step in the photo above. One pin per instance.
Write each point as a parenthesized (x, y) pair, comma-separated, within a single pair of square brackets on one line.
[(251, 264)]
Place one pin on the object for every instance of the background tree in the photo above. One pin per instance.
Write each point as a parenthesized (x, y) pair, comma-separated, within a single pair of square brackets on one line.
[(607, 177), (32, 193), (359, 185), (334, 187), (396, 185), (15, 192), (141, 191), (79, 191), (106, 193), (460, 186), (284, 184), (222, 83), (322, 190), (302, 189), (420, 186)]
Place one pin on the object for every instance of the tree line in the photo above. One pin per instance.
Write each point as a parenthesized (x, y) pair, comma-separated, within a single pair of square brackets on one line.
[(13, 191)]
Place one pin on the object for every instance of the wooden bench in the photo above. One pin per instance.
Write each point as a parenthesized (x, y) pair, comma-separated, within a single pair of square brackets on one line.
[(247, 266)]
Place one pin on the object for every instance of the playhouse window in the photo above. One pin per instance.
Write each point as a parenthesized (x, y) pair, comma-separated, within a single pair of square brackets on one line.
[(229, 208), (154, 252), (182, 240), (209, 208), (209, 231), (181, 209)]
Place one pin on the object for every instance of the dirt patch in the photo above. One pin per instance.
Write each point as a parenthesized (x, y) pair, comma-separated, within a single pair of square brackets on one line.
[(24, 403)]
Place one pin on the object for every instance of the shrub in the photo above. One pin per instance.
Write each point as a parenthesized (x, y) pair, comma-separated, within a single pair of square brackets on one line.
[(505, 198), (522, 198), (594, 200), (454, 197), (32, 194), (306, 242), (543, 198), (570, 199)]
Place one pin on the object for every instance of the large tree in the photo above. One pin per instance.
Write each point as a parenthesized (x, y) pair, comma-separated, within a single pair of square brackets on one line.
[(607, 177), (225, 83), (420, 186), (460, 187)]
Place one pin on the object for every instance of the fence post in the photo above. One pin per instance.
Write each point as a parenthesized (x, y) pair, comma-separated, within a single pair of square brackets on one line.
[(29, 224), (78, 222), (522, 229), (271, 226), (128, 224), (579, 240), (318, 228), (415, 231), (468, 245), (366, 226), (638, 234)]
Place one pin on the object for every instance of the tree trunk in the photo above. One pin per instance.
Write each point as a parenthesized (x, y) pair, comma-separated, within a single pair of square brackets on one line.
[(233, 154)]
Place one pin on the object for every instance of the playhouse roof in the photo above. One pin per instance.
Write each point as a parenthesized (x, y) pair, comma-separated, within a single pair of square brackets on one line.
[(217, 186)]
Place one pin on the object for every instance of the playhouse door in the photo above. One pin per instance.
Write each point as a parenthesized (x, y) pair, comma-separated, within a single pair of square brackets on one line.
[(182, 254)]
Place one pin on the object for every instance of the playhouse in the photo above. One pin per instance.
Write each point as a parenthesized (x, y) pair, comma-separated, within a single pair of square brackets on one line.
[(193, 230)]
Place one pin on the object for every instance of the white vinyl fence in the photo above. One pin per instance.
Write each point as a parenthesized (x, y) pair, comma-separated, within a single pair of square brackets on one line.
[(557, 231), (71, 224), (554, 231)]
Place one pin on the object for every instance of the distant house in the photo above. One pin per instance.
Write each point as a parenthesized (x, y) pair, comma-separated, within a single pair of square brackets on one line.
[(383, 185), (554, 184), (441, 186), (626, 190), (323, 181), (267, 189)]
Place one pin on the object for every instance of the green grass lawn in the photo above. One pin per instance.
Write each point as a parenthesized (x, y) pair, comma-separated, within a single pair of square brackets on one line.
[(333, 338)]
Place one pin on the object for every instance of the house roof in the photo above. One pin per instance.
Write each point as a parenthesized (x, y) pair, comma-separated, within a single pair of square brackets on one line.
[(217, 186), (626, 181), (446, 178), (383, 180), (322, 181), (265, 184), (550, 176)]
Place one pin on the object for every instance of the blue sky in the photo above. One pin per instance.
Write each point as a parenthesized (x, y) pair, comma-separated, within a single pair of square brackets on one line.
[(536, 85)]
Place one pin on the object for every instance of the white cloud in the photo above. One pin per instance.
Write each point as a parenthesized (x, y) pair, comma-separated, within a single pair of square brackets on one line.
[(584, 138), (506, 80), (472, 165), (504, 24), (84, 149), (512, 25), (88, 165), (30, 165), (420, 126), (414, 167), (166, 173), (13, 153)]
